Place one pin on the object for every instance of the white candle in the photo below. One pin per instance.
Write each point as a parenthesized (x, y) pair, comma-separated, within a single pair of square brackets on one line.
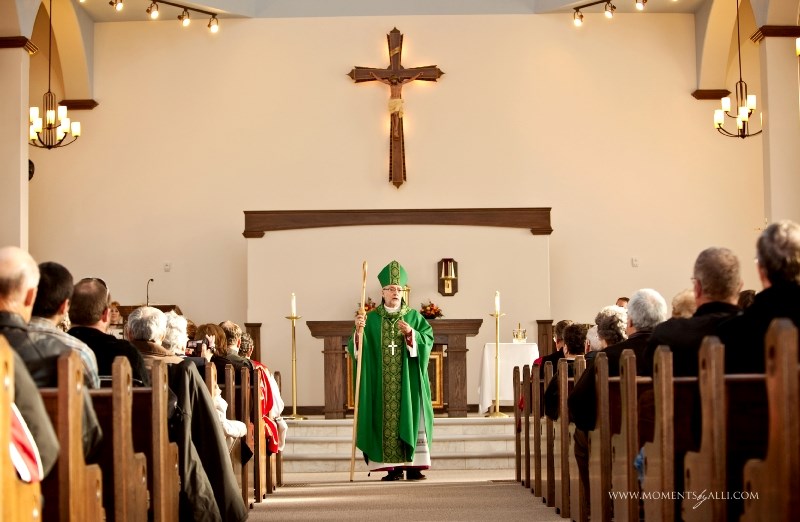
[(294, 306), (497, 302)]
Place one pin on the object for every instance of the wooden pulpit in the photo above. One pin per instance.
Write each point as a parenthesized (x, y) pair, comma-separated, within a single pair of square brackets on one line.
[(450, 340)]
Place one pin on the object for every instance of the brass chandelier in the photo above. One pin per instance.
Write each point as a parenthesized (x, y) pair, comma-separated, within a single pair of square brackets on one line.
[(49, 129), (745, 103)]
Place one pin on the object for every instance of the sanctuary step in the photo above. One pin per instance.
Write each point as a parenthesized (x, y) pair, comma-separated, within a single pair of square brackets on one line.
[(322, 445)]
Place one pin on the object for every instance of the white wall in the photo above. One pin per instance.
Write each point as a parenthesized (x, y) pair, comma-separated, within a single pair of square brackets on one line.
[(192, 129)]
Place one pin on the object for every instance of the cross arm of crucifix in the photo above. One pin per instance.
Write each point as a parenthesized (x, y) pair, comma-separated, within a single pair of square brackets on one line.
[(429, 73)]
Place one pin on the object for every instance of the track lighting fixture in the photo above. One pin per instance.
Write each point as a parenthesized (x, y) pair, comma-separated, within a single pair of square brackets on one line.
[(608, 10), (640, 5), (152, 11), (184, 18)]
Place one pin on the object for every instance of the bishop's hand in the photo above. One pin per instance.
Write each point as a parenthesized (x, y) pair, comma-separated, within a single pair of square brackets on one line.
[(361, 320), (404, 327)]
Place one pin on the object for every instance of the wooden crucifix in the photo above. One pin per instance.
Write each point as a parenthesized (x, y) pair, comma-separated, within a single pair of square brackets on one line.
[(395, 76)]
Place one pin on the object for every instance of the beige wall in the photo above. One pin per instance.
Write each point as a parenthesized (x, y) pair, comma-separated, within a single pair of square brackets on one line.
[(192, 129)]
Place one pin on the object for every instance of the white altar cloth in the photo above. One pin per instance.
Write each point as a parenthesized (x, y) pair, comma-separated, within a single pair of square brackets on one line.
[(511, 355)]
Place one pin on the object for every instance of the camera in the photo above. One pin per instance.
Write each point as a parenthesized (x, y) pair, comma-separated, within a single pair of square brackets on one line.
[(196, 347)]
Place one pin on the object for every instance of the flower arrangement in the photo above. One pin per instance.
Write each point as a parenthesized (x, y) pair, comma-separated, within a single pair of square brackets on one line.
[(368, 305), (430, 310)]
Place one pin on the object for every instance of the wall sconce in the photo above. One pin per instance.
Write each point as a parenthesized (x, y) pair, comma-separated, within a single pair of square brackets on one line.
[(447, 270)]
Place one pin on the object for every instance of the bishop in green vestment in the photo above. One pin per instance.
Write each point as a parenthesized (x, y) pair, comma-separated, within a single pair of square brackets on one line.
[(395, 415)]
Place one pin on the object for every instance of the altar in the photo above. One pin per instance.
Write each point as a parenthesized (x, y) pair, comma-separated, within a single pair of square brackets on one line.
[(447, 368), (511, 355)]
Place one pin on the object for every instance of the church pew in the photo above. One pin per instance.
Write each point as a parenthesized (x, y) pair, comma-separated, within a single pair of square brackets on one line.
[(550, 486), (625, 443), (125, 494), (734, 429), (600, 444), (73, 489), (673, 399), (515, 383), (20, 501), (150, 436), (577, 494), (562, 438), (526, 423), (536, 419), (776, 478)]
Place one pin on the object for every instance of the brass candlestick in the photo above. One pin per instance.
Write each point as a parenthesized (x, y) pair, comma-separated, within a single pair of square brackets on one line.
[(294, 416), (496, 412)]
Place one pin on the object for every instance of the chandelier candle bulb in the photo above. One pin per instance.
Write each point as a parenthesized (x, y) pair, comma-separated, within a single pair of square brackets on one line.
[(726, 104), (62, 112), (751, 102), (37, 125), (51, 117), (76, 128), (744, 113), (34, 114), (32, 133), (719, 118)]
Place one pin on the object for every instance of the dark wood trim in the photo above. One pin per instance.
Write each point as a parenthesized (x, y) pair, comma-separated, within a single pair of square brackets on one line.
[(779, 31), (710, 94), (80, 105), (544, 336), (15, 42), (254, 329), (258, 222)]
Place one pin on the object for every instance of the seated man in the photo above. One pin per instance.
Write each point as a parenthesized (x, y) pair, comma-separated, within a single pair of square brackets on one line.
[(90, 315), (19, 277), (145, 329), (51, 308), (778, 258)]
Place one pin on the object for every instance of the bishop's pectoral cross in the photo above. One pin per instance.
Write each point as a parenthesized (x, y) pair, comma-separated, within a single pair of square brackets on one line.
[(393, 346), (395, 76)]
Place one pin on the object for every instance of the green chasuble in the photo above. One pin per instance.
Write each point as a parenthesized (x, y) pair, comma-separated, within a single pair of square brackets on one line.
[(394, 386)]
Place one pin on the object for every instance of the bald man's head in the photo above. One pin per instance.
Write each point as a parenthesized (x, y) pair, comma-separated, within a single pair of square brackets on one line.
[(19, 277)]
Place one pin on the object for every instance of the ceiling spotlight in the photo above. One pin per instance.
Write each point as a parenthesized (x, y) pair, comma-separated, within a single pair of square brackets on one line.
[(609, 10), (213, 24), (153, 11), (116, 4), (577, 18), (184, 18), (640, 5)]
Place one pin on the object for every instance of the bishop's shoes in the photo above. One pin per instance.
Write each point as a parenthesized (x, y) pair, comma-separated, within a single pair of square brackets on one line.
[(397, 474)]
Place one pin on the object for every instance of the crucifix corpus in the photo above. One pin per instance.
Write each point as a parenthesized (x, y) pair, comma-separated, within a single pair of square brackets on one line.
[(395, 76)]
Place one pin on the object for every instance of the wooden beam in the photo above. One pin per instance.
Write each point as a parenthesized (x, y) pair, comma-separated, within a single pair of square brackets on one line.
[(779, 31), (258, 222), (15, 42), (710, 94)]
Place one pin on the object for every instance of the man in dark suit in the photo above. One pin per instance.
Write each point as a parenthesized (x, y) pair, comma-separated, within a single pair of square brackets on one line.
[(778, 258), (717, 281), (90, 315)]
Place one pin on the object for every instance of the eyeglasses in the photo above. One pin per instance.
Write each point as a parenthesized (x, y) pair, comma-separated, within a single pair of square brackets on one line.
[(393, 289)]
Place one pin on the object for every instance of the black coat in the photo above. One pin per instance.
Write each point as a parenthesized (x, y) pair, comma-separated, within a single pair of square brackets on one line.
[(743, 335), (106, 348), (684, 337)]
